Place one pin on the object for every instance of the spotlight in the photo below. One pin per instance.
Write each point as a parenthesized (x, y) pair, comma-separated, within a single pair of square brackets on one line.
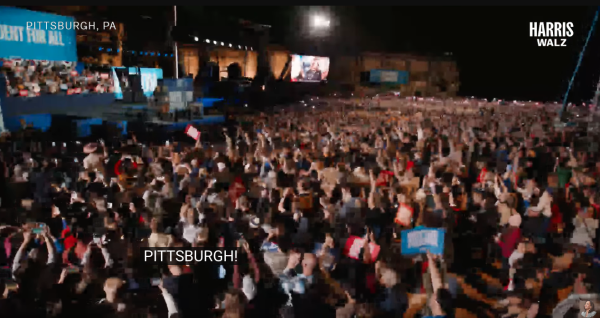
[(223, 44), (207, 41), (215, 42), (196, 38), (230, 45)]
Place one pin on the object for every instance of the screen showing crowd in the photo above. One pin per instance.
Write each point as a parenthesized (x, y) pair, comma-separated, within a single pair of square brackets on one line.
[(306, 68), (29, 78)]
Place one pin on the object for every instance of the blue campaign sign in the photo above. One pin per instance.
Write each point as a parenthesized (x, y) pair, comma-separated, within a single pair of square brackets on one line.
[(179, 85), (388, 76), (32, 35), (422, 239)]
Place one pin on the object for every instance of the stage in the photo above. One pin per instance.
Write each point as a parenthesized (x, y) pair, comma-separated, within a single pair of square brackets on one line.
[(92, 110)]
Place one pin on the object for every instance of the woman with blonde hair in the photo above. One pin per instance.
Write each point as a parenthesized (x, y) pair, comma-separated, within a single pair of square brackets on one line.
[(234, 304)]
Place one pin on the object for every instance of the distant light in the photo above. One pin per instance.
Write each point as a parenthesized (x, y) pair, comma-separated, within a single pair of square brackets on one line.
[(151, 53), (230, 45), (207, 41), (313, 107), (239, 47), (171, 55), (118, 50), (100, 48), (158, 54), (223, 44), (251, 49), (215, 42), (196, 38), (245, 47), (320, 22), (263, 87), (245, 105), (133, 52)]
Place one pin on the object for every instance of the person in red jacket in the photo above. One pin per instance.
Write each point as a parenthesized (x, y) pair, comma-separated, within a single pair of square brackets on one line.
[(509, 238)]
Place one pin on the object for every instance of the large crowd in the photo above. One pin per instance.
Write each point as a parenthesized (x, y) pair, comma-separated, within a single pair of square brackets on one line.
[(315, 199), (29, 78)]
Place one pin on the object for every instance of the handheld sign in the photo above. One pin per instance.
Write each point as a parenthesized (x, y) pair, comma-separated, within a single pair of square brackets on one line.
[(404, 214), (422, 239), (192, 132), (354, 245)]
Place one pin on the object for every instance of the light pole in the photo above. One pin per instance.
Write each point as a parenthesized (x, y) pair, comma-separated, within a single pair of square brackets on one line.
[(175, 45)]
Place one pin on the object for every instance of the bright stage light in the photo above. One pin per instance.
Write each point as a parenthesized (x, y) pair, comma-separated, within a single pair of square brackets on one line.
[(320, 22)]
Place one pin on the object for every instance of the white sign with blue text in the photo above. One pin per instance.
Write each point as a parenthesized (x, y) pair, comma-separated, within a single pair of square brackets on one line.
[(422, 240)]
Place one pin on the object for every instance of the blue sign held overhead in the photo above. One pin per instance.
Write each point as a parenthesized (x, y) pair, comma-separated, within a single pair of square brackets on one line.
[(421, 239), (32, 35)]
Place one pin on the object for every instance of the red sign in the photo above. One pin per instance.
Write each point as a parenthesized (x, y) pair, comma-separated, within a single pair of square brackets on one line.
[(404, 214), (355, 244), (383, 180), (23, 93), (192, 132), (236, 190), (77, 90)]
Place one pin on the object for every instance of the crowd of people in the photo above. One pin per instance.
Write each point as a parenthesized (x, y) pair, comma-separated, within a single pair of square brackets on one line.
[(315, 200), (28, 78)]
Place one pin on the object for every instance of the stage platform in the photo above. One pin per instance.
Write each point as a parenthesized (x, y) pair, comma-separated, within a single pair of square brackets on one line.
[(85, 117)]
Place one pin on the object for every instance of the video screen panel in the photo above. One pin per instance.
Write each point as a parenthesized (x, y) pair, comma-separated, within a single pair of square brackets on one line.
[(306, 68)]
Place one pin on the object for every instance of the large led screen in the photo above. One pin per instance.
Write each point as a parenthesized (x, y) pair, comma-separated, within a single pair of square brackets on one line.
[(306, 68)]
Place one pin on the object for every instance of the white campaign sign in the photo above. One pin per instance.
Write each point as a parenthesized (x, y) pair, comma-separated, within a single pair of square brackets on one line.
[(387, 76)]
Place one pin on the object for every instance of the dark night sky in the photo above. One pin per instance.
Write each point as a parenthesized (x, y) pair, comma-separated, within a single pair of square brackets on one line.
[(495, 55)]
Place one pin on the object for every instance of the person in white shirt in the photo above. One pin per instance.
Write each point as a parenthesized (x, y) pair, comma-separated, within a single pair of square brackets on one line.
[(191, 229), (585, 229), (94, 159)]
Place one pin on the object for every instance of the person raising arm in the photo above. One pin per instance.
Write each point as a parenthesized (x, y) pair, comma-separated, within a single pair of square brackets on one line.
[(440, 303)]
